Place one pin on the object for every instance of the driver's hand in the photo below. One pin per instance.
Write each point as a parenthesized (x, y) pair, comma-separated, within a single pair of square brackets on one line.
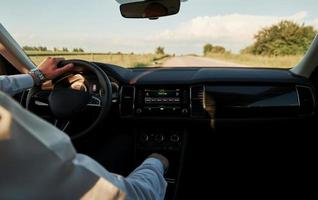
[(49, 67)]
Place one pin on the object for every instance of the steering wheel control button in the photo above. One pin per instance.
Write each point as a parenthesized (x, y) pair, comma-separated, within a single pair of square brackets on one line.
[(94, 101)]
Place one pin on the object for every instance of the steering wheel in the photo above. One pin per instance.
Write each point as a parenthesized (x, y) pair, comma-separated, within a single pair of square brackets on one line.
[(66, 103)]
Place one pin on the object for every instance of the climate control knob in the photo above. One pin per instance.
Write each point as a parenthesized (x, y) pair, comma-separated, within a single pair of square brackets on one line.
[(159, 138), (174, 138), (144, 138)]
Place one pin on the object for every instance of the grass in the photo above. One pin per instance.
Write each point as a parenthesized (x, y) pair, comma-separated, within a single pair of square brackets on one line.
[(152, 60), (259, 61), (124, 60), (139, 65)]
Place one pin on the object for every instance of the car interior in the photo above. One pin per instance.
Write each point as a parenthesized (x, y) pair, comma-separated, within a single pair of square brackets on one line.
[(225, 130)]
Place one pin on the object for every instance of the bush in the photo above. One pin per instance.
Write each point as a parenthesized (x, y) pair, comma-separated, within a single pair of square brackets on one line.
[(160, 51), (78, 50), (29, 48), (284, 38), (209, 48), (139, 65)]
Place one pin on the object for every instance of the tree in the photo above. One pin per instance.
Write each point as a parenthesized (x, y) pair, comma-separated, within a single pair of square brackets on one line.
[(284, 38), (39, 48), (218, 49), (27, 48), (64, 49), (160, 51), (78, 50), (42, 48), (209, 48)]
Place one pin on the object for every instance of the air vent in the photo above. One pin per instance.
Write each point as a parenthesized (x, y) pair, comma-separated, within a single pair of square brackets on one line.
[(306, 100), (197, 100), (127, 100)]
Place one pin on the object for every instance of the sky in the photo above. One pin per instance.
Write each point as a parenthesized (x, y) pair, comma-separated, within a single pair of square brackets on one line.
[(97, 25)]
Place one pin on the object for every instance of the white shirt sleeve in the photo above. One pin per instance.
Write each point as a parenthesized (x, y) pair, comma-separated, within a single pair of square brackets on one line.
[(15, 83), (38, 161)]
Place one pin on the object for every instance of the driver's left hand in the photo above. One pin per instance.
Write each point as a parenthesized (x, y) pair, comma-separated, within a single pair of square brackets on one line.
[(49, 67)]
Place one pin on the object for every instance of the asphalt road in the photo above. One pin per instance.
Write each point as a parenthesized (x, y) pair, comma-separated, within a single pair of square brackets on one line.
[(192, 61)]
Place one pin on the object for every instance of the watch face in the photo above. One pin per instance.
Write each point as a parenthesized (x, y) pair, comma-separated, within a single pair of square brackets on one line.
[(40, 75)]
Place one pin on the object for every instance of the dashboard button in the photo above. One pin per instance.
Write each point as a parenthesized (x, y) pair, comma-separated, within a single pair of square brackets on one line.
[(138, 111), (184, 111)]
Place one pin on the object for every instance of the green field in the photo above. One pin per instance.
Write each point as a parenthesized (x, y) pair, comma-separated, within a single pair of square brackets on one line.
[(152, 60), (259, 61), (124, 60)]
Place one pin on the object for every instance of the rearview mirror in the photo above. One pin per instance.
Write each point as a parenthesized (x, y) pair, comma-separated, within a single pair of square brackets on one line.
[(152, 9)]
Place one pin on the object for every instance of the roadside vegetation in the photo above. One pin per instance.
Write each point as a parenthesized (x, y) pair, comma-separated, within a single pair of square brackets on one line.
[(281, 45), (38, 54), (258, 60)]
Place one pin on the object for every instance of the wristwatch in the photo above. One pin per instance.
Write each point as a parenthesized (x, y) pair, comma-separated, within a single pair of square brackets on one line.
[(37, 76)]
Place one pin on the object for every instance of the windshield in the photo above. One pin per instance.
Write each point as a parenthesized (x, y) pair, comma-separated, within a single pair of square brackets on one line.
[(205, 33)]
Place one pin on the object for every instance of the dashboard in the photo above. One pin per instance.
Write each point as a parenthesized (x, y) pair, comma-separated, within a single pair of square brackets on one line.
[(209, 101), (212, 93), (202, 93)]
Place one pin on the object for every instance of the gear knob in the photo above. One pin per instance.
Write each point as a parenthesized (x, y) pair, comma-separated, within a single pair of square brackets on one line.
[(163, 160)]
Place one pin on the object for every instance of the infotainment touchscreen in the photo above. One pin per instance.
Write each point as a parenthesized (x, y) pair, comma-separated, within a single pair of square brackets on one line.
[(162, 96), (157, 101)]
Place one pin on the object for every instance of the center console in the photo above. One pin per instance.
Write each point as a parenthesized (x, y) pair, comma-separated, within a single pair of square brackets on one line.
[(150, 105), (168, 142)]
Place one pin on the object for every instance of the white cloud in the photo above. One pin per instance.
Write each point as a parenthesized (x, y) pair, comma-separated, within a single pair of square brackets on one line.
[(233, 31), (315, 23)]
